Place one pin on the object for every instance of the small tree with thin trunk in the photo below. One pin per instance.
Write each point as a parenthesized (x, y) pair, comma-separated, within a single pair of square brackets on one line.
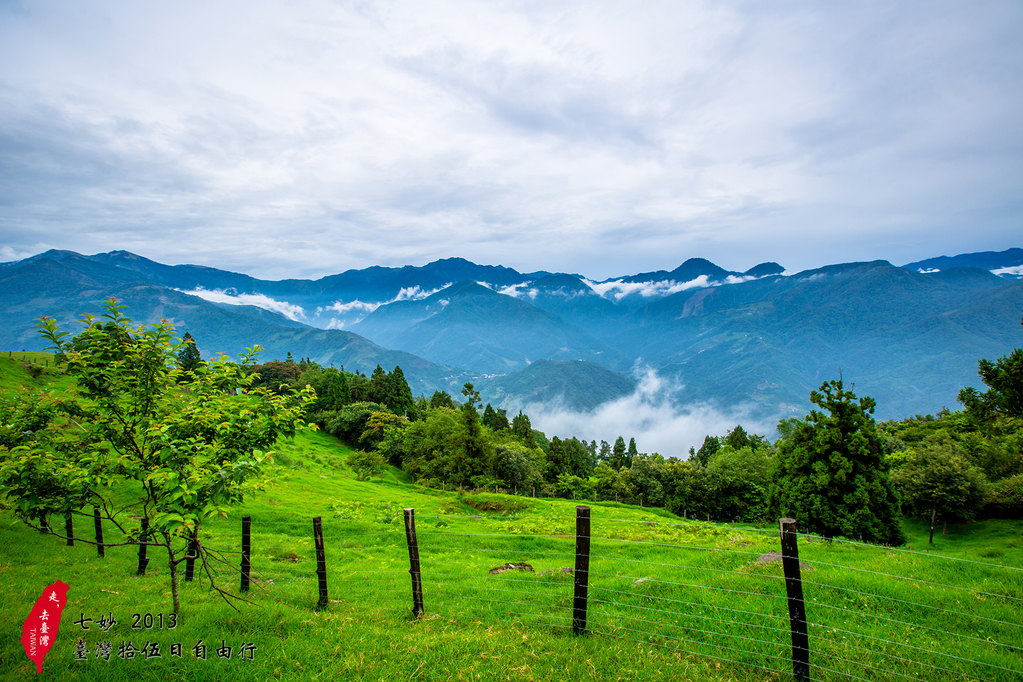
[(938, 482), (141, 440)]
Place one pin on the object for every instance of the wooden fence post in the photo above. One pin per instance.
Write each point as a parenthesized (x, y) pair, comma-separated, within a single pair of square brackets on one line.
[(321, 562), (582, 568), (413, 558), (69, 529), (246, 551), (797, 608), (193, 550), (143, 537), (99, 531)]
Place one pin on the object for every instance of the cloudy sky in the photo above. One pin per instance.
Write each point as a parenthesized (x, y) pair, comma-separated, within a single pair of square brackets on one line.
[(297, 139)]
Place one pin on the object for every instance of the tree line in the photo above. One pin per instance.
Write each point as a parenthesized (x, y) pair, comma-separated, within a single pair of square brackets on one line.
[(836, 469)]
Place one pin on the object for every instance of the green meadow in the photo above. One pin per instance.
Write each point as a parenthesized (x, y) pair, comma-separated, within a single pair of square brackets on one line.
[(669, 599)]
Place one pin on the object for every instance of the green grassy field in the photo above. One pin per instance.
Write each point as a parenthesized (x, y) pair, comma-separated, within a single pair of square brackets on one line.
[(669, 599)]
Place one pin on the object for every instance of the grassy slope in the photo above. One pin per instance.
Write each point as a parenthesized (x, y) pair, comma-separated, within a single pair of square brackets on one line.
[(512, 626)]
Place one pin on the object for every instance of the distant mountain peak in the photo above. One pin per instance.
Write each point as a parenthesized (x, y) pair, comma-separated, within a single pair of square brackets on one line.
[(698, 263), (765, 270), (53, 254)]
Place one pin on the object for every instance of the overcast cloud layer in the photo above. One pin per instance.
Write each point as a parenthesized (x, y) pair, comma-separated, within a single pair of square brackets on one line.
[(304, 138)]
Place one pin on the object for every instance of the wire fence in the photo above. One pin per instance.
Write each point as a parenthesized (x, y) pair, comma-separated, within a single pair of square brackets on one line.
[(724, 594)]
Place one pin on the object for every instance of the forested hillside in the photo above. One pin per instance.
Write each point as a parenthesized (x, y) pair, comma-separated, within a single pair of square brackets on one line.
[(761, 339)]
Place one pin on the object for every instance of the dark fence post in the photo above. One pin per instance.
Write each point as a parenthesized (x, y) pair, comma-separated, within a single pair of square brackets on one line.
[(99, 531), (582, 568), (321, 562), (246, 551), (413, 558), (193, 550), (797, 608), (69, 529), (143, 537)]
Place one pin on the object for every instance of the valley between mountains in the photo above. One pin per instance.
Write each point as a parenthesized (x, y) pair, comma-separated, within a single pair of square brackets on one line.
[(758, 340)]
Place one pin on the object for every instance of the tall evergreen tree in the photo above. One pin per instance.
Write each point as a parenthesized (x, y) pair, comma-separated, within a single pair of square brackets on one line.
[(495, 420), (378, 386), (442, 399), (831, 475), (557, 459), (337, 393), (618, 457), (474, 446), (188, 355), (711, 444), (399, 395), (523, 429)]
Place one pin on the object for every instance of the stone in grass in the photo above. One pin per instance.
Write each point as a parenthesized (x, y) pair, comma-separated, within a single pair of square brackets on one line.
[(566, 569), (504, 568), (775, 557), (641, 581)]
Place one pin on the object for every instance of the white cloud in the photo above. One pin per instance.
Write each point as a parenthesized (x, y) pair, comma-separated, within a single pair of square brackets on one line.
[(928, 271), (1011, 271), (289, 310), (343, 308), (520, 290), (413, 293), (619, 289), (416, 293), (651, 416)]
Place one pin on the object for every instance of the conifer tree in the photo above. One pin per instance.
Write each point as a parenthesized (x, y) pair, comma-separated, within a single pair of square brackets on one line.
[(378, 386), (831, 475), (523, 429), (441, 399), (399, 395), (337, 394), (188, 355), (474, 446), (618, 458)]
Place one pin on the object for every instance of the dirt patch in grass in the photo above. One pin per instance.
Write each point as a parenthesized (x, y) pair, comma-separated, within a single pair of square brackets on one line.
[(497, 504)]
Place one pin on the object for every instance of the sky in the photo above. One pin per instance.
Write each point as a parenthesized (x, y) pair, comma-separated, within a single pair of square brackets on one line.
[(305, 138)]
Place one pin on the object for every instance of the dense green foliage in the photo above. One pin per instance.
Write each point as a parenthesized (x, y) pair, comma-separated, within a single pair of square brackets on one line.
[(446, 443), (959, 465), (831, 474), (939, 479), (157, 449), (1004, 397)]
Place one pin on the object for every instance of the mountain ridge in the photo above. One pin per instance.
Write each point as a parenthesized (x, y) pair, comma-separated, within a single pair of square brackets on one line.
[(764, 336)]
